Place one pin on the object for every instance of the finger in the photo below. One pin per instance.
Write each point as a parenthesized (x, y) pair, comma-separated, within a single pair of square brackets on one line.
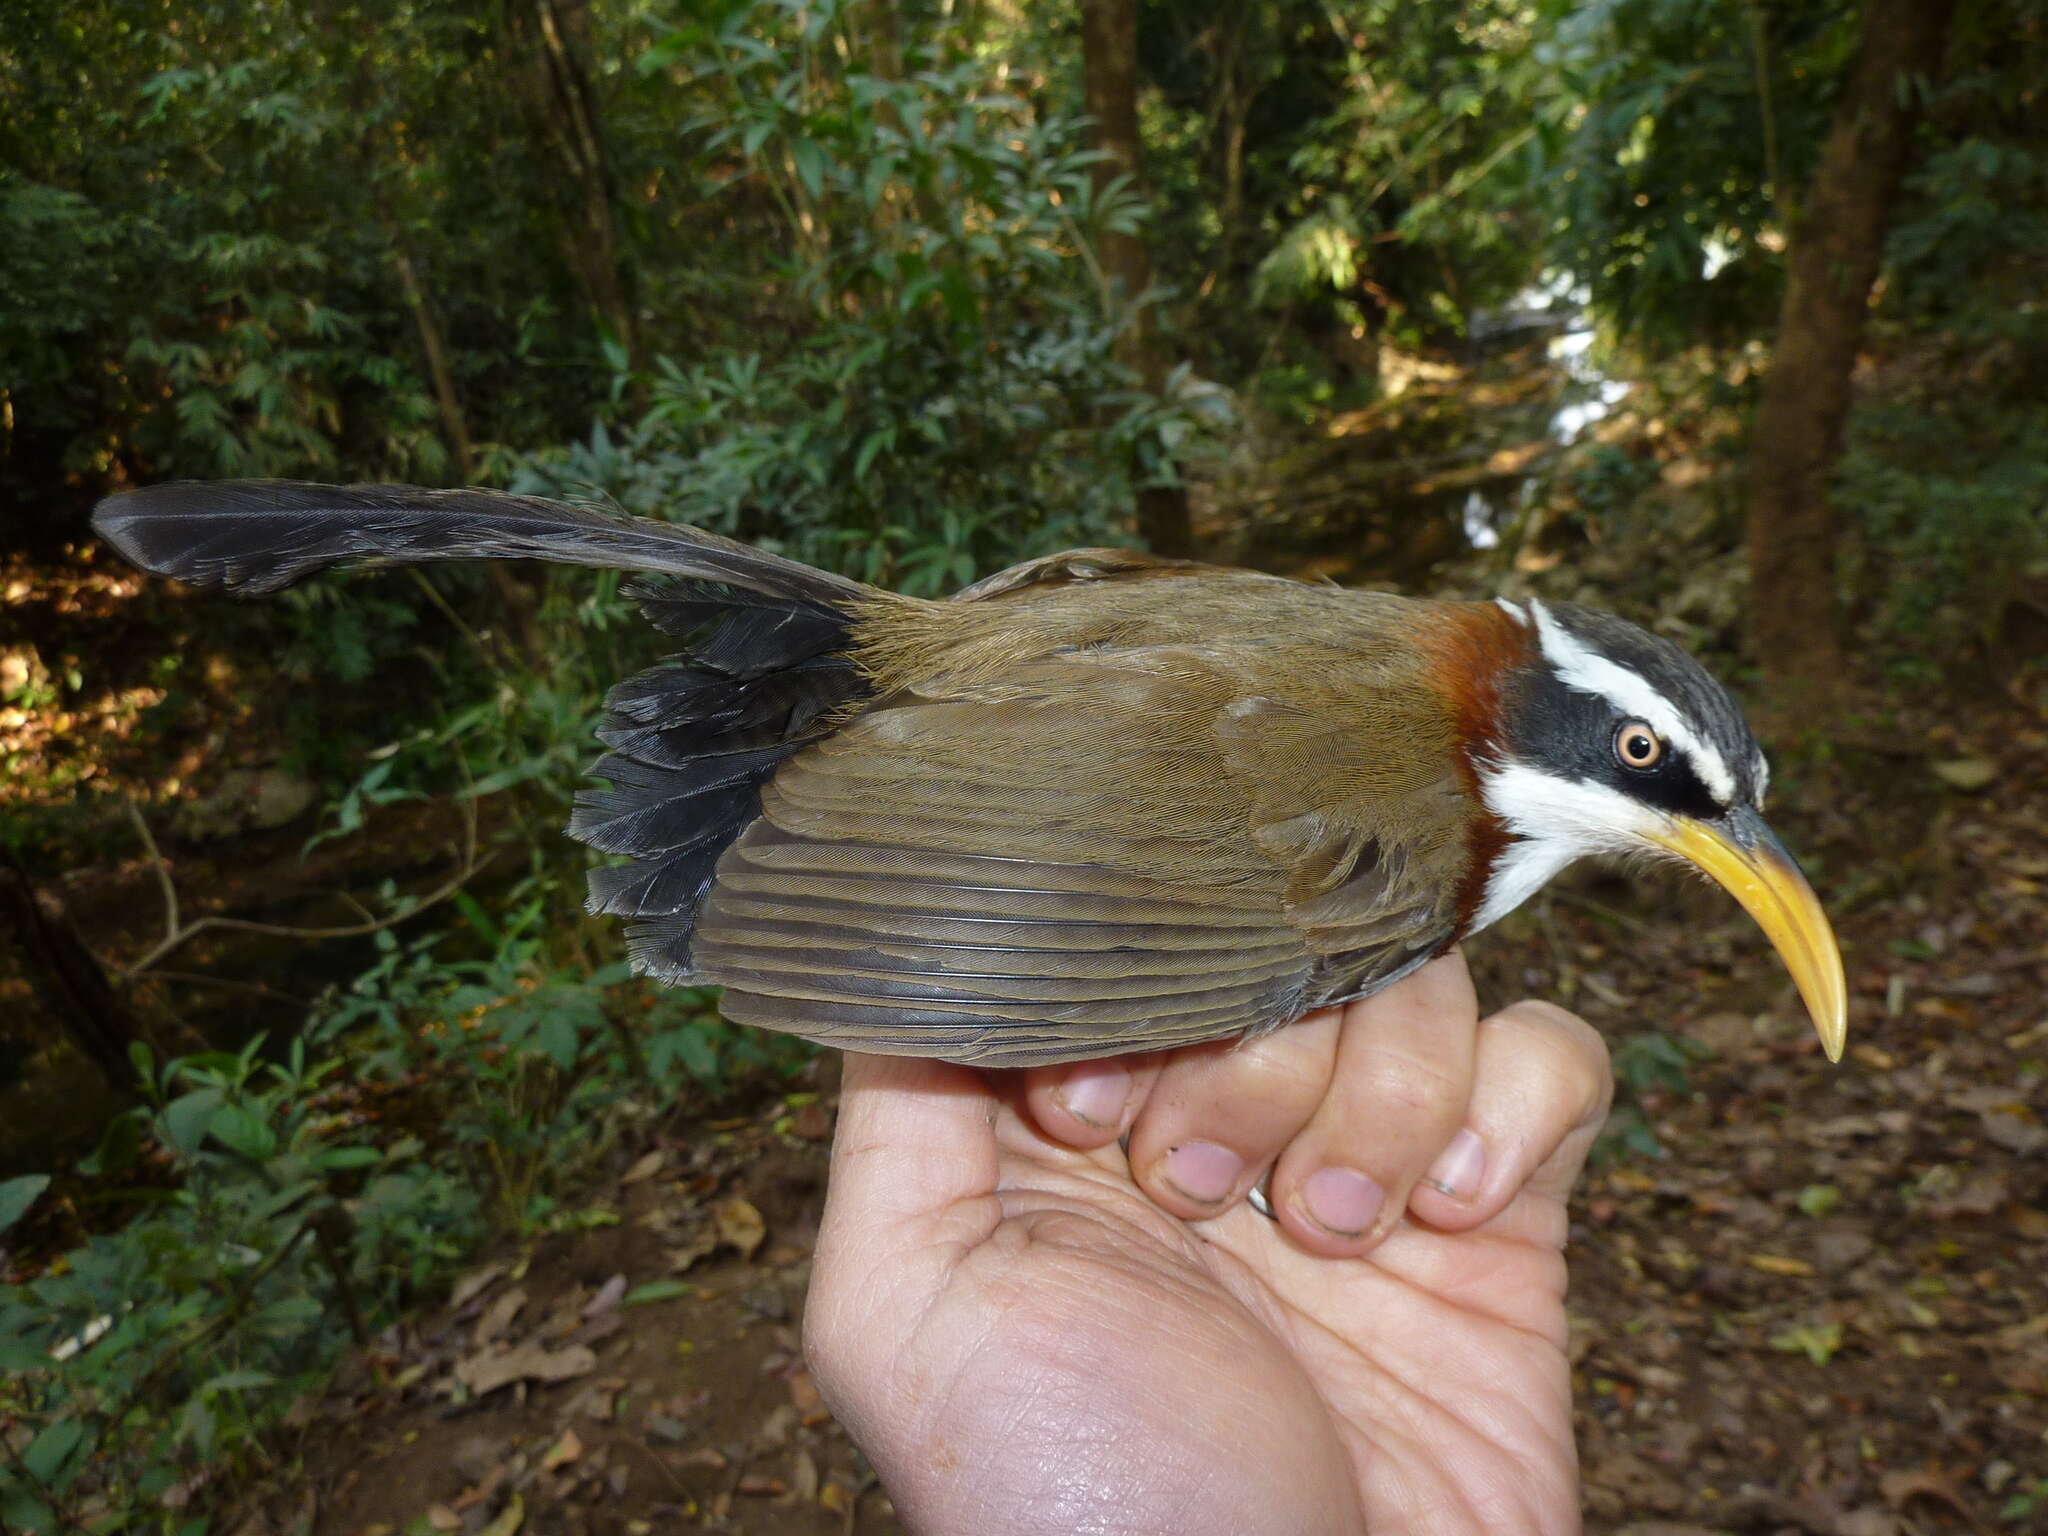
[(913, 1137), (1219, 1114), (1089, 1104), (1402, 1083), (1541, 1087)]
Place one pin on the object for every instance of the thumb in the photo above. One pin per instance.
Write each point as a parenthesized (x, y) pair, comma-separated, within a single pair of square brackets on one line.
[(912, 1186), (914, 1138)]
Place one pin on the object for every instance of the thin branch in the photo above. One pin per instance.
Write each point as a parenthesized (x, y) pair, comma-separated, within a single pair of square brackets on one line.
[(158, 863), (179, 935)]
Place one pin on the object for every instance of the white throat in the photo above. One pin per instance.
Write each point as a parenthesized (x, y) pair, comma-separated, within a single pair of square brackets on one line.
[(1554, 823)]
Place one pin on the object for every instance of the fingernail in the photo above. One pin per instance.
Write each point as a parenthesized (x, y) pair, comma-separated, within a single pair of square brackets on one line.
[(1342, 1200), (1203, 1171), (1095, 1094), (1459, 1169)]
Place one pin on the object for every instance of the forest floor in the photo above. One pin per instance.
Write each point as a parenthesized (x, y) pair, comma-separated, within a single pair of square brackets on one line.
[(1804, 1298)]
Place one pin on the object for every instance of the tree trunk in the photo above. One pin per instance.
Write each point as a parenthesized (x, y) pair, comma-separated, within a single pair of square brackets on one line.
[(1831, 263), (1109, 58)]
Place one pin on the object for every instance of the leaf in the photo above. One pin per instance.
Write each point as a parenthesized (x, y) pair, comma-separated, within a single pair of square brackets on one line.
[(338, 1159), (1817, 1341), (499, 1315), (810, 164), (558, 1039), (119, 1146), (739, 1225), (652, 1291), (473, 1284), (187, 1116), (1819, 1199), (17, 1195), (564, 1451), (646, 1167), (47, 1453), (484, 1374), (243, 1131), (1775, 1264), (1968, 774), (608, 1296), (510, 1518), (19, 1512)]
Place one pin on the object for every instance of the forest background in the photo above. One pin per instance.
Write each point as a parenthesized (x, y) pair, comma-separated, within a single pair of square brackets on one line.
[(1729, 316)]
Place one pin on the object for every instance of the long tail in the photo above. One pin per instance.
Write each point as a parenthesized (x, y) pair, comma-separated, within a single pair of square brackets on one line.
[(692, 740), (260, 535)]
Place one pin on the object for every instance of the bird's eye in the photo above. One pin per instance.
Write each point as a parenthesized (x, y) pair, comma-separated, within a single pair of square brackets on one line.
[(1637, 746)]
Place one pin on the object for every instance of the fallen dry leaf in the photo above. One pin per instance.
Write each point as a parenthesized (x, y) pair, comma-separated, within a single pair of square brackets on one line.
[(473, 1284), (806, 1399), (1907, 1483), (484, 1374), (1776, 1264), (1966, 773), (646, 1168), (701, 1242), (564, 1451), (740, 1226), (510, 1518), (442, 1518), (803, 1477), (1944, 1191), (606, 1298), (498, 1317)]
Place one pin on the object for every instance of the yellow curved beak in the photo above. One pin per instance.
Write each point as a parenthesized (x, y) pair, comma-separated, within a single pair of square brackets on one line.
[(1745, 859)]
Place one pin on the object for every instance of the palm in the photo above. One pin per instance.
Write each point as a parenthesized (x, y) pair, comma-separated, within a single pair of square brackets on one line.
[(987, 1300)]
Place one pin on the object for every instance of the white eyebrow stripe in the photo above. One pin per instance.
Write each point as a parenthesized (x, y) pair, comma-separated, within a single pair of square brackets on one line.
[(1628, 691)]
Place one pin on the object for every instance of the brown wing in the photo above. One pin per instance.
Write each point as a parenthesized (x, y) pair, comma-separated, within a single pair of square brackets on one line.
[(1070, 861), (1358, 800)]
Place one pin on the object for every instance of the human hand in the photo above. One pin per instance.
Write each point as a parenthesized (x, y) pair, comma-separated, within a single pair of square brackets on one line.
[(1024, 1337)]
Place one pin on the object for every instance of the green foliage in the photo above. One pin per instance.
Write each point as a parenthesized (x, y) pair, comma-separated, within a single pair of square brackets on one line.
[(148, 1354), (1675, 137), (1339, 164), (201, 227), (953, 400), (2029, 1497), (1605, 482), (1951, 492), (524, 1065), (1647, 1063), (17, 1195)]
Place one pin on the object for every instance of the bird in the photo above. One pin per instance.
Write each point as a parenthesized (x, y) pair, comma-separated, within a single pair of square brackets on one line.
[(1098, 802)]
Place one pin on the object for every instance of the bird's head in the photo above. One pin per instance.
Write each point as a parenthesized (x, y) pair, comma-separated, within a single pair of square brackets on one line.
[(1606, 739)]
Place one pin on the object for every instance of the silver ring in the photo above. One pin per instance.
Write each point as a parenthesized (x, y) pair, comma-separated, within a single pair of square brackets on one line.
[(1258, 1198)]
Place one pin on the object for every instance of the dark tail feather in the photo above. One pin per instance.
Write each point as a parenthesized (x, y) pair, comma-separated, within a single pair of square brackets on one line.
[(692, 740), (260, 535)]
